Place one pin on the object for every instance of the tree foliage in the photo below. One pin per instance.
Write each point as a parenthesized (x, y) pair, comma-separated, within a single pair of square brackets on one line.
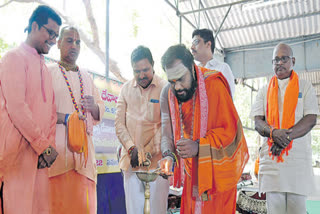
[(91, 39)]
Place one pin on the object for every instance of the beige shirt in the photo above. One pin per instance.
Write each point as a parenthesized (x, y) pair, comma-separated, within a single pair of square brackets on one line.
[(295, 174), (66, 159), (138, 120)]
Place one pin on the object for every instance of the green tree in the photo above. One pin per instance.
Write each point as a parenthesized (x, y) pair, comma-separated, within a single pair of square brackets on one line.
[(4, 47)]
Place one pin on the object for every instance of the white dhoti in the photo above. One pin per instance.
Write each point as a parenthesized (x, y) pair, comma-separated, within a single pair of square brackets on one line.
[(286, 203), (134, 193)]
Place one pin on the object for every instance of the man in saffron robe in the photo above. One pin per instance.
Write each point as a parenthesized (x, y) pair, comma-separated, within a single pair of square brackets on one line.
[(27, 118), (285, 111), (73, 176), (207, 134)]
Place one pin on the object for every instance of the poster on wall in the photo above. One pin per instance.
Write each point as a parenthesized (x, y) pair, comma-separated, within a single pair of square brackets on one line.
[(104, 135)]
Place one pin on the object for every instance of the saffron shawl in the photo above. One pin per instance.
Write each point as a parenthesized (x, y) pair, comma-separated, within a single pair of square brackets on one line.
[(288, 112), (223, 151)]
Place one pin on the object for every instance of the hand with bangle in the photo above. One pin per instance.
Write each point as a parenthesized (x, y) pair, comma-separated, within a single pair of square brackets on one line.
[(133, 153)]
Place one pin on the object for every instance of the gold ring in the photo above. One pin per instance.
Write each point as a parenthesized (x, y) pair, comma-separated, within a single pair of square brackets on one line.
[(288, 138), (48, 151)]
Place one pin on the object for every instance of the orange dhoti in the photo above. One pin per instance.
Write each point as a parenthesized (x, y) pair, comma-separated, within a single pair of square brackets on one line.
[(72, 193), (218, 203)]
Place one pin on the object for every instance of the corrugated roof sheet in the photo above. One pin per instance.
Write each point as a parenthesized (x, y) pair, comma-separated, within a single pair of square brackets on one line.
[(254, 22)]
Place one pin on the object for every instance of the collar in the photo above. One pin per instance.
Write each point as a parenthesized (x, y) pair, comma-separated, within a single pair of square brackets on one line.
[(155, 82), (211, 62), (31, 50)]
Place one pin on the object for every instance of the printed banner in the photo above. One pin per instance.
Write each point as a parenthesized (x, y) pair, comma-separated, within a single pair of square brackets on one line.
[(104, 135)]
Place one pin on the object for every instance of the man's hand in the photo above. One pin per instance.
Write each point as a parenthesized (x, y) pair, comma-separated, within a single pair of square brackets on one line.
[(280, 137), (41, 162), (187, 148), (134, 158), (165, 165), (276, 150), (49, 156), (89, 105)]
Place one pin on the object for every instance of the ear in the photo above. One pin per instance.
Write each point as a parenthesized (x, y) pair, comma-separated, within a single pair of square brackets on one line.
[(293, 61), (34, 26), (208, 44), (59, 43)]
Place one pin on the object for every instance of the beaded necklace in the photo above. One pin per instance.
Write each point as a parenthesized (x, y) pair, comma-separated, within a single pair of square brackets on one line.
[(181, 122), (70, 90)]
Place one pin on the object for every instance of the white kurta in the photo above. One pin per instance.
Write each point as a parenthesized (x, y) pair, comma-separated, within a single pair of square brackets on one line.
[(295, 174), (225, 69)]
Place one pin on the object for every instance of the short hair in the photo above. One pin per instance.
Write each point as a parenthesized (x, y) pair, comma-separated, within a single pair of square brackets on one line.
[(41, 15), (206, 35), (141, 52), (67, 28), (177, 52)]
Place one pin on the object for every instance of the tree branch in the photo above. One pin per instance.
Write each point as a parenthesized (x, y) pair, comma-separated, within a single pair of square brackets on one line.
[(5, 4), (92, 21), (94, 46)]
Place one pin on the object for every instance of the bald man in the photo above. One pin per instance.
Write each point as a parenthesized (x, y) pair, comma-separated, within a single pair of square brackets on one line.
[(73, 177), (285, 111)]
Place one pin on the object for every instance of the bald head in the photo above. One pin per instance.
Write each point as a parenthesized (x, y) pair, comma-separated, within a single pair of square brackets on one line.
[(69, 44), (283, 46), (67, 28), (283, 61)]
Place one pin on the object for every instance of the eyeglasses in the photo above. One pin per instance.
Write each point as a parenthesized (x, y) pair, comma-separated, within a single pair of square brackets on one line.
[(52, 34), (283, 59), (195, 42)]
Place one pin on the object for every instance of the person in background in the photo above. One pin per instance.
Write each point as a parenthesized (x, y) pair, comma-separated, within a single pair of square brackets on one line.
[(202, 49)]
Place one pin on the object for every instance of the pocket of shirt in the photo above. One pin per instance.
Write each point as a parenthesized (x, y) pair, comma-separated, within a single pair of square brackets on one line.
[(153, 111)]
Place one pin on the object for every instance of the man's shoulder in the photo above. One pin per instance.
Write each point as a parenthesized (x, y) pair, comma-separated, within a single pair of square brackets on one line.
[(161, 82), (52, 66), (128, 84), (85, 72), (216, 64), (210, 73), (304, 83), (14, 53)]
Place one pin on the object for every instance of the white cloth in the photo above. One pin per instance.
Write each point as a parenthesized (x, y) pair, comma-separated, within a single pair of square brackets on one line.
[(286, 203), (225, 69), (134, 192), (295, 174)]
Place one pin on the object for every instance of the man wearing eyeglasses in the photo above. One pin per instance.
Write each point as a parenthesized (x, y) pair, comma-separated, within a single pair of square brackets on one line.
[(28, 117), (285, 111), (202, 49)]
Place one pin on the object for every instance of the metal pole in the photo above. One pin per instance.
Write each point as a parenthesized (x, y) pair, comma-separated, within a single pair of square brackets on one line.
[(224, 18), (178, 14), (180, 29), (215, 7), (107, 37)]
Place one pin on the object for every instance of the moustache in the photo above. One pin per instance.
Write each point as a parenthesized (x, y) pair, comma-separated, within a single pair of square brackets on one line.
[(181, 90), (144, 78), (280, 67)]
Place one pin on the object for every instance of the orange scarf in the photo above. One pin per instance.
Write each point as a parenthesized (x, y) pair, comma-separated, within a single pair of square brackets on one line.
[(289, 108)]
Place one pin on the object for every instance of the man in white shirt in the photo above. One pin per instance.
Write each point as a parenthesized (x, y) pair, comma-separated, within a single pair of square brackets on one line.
[(203, 48), (284, 112)]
